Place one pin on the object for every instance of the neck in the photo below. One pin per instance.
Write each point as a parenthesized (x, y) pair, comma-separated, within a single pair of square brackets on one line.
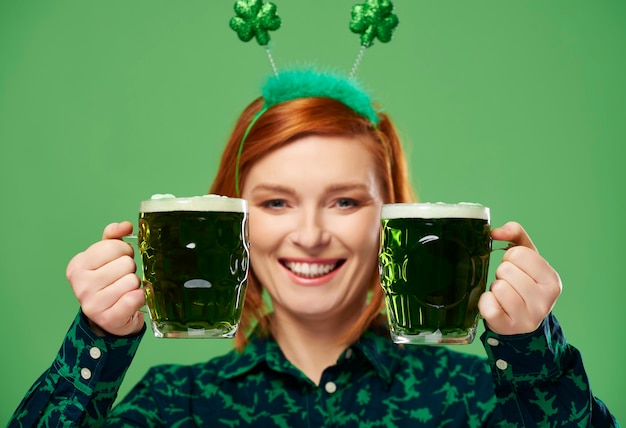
[(311, 345)]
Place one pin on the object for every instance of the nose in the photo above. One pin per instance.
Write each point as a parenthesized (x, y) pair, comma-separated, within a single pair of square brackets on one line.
[(311, 232)]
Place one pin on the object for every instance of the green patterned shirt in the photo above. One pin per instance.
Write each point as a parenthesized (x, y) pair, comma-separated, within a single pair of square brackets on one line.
[(527, 380)]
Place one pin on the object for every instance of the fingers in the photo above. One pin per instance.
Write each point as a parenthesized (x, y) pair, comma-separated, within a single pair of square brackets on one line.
[(513, 232), (117, 230), (100, 254), (494, 315), (505, 310), (105, 298), (104, 282), (526, 286), (515, 303), (112, 272), (123, 317), (536, 267)]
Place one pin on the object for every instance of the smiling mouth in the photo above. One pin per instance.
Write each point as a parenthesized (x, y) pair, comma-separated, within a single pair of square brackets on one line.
[(311, 270)]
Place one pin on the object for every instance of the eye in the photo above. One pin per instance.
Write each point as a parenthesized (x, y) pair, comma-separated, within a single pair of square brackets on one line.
[(274, 204), (347, 203)]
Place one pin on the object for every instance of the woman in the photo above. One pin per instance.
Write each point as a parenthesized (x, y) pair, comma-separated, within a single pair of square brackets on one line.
[(316, 171)]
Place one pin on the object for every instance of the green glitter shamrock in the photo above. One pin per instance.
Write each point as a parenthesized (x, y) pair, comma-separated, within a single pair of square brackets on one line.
[(373, 19), (255, 18)]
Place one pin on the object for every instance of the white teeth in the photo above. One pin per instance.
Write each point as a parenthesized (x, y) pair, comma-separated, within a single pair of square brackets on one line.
[(310, 270)]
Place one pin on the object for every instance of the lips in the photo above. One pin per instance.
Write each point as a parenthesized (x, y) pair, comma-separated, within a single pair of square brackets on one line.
[(311, 269)]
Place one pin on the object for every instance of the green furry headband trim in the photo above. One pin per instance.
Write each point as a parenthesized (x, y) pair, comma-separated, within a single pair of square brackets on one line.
[(294, 84)]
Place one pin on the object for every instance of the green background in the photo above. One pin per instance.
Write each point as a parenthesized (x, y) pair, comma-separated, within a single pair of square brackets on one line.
[(518, 105)]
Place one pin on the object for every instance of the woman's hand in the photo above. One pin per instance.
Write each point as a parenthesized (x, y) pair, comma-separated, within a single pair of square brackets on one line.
[(525, 289), (104, 281)]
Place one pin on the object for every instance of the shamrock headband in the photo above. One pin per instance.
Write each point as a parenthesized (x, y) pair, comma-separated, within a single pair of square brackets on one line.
[(373, 19)]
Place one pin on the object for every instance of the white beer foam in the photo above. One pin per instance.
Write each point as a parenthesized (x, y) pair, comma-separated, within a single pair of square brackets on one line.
[(435, 210), (169, 203)]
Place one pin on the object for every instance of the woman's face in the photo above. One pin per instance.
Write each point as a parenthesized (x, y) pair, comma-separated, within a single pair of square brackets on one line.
[(315, 226)]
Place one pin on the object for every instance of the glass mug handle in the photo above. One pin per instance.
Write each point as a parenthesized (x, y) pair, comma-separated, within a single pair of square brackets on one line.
[(505, 248), (130, 239)]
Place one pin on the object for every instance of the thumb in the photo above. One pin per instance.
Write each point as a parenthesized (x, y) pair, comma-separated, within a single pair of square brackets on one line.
[(117, 230), (514, 233)]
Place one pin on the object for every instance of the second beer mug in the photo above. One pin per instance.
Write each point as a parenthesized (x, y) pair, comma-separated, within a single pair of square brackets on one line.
[(434, 261), (195, 256)]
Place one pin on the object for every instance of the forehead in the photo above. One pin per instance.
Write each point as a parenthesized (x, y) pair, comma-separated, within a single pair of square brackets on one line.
[(318, 160)]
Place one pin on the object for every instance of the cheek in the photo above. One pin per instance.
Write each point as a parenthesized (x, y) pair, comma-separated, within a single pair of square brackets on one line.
[(261, 230), (362, 235), (257, 233), (266, 232), (262, 240)]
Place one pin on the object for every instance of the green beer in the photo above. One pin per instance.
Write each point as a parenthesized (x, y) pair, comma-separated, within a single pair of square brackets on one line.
[(195, 260), (434, 261)]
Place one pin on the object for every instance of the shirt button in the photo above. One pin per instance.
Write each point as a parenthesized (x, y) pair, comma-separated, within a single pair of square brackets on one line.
[(502, 365), (330, 387), (95, 353), (493, 341), (85, 373), (349, 353)]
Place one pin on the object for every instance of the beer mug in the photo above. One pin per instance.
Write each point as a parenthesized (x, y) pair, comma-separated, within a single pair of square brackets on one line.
[(434, 260), (195, 256)]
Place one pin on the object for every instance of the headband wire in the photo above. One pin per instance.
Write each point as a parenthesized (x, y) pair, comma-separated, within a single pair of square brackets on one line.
[(240, 150)]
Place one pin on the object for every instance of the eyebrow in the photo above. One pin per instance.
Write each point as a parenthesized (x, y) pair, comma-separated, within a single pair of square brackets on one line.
[(278, 188), (340, 187)]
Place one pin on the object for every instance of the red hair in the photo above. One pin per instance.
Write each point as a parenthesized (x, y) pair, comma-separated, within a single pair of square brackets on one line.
[(283, 123)]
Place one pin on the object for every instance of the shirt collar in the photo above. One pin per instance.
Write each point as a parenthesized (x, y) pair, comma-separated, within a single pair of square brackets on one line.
[(375, 345), (260, 350), (384, 355)]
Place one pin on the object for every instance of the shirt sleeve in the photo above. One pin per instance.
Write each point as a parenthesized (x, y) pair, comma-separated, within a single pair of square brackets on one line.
[(83, 381), (540, 380)]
